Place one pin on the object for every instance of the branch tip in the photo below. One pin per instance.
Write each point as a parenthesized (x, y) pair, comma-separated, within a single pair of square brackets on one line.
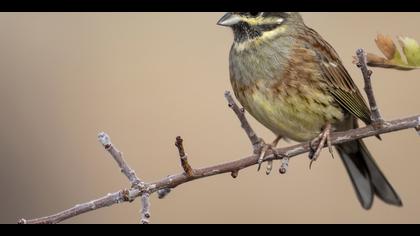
[(179, 144), (360, 51), (105, 140), (284, 165), (22, 222)]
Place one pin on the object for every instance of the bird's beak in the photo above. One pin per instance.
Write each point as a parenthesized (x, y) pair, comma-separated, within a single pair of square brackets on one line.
[(229, 19)]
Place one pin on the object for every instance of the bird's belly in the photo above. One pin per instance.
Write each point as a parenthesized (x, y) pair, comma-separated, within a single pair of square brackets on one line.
[(297, 117)]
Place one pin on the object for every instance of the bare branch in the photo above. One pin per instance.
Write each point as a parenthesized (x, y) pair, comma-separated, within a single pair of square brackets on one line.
[(145, 210), (184, 158), (109, 200), (367, 76), (292, 151), (240, 113), (117, 155), (230, 167), (164, 186)]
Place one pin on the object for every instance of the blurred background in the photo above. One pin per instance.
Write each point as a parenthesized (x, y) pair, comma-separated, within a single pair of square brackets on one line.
[(145, 78)]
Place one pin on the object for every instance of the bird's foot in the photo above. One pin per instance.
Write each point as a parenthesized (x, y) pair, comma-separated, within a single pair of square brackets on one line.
[(267, 148), (324, 137)]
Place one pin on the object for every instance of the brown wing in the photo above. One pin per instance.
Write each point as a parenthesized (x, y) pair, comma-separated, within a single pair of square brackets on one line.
[(340, 83)]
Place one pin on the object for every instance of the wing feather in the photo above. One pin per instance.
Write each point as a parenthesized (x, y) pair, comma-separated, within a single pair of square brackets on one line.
[(341, 85)]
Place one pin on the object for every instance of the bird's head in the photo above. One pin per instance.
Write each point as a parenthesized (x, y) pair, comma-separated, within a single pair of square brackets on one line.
[(248, 26)]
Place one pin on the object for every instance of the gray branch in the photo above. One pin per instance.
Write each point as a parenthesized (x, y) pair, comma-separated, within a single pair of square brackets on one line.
[(108, 200), (240, 113), (367, 76), (105, 140), (145, 210), (173, 181), (164, 186)]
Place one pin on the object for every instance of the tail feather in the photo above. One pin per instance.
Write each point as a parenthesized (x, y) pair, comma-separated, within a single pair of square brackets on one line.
[(382, 187), (368, 180)]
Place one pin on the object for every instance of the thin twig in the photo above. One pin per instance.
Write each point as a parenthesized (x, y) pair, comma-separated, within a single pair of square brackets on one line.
[(136, 183), (106, 201), (118, 157), (145, 210), (184, 158), (179, 179), (240, 113), (367, 76)]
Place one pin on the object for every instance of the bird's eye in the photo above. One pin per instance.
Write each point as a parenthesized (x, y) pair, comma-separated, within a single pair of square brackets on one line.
[(254, 14)]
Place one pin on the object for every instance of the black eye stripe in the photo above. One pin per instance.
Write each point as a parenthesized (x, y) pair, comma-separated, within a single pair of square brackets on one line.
[(267, 27), (254, 14), (245, 30)]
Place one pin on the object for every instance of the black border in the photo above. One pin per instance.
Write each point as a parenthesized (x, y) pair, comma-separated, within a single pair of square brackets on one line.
[(209, 5)]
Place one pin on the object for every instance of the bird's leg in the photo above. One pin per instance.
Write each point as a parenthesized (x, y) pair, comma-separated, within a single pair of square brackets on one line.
[(324, 137), (270, 162), (264, 149)]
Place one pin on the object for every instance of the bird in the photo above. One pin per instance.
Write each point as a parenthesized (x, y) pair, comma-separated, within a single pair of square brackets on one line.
[(294, 83)]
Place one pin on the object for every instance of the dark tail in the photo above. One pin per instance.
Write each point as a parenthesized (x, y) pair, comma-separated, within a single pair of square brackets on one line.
[(367, 178)]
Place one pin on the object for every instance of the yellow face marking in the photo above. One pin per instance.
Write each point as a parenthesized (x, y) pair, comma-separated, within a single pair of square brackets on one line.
[(273, 33), (262, 20)]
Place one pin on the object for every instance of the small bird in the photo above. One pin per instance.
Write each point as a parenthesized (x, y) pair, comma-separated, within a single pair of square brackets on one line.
[(293, 82)]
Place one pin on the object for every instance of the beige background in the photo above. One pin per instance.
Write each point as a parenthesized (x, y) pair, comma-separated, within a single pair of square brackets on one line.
[(147, 77)]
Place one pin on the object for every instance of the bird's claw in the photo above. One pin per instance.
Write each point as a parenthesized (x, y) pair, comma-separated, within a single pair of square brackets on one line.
[(266, 148), (323, 138)]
